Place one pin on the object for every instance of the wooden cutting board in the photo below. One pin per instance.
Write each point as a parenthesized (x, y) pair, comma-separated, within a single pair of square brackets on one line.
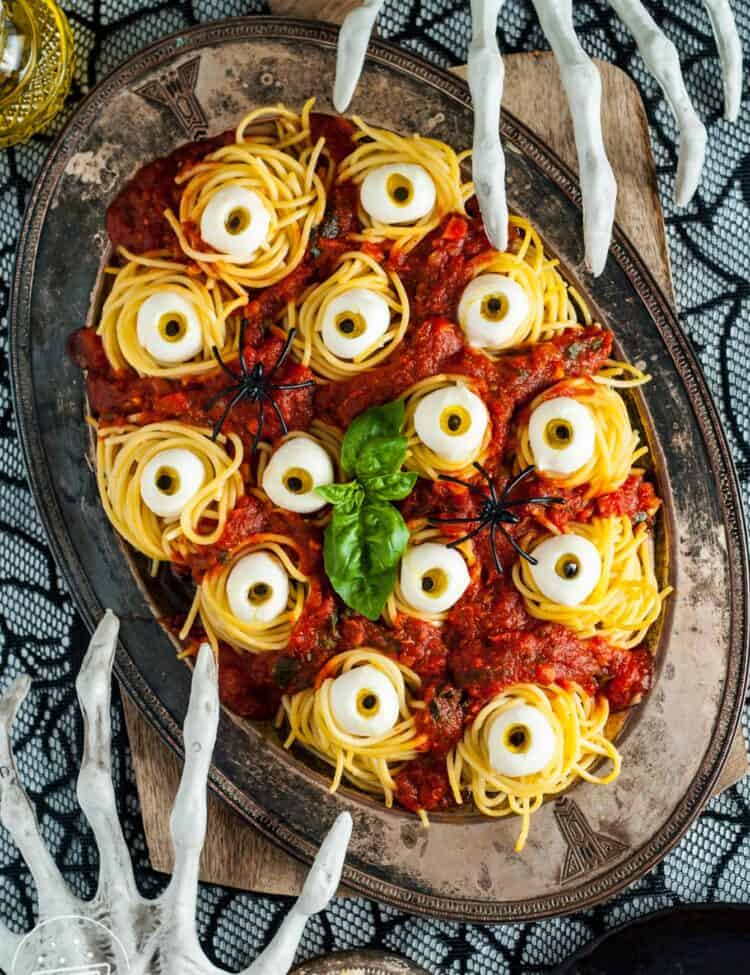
[(236, 854)]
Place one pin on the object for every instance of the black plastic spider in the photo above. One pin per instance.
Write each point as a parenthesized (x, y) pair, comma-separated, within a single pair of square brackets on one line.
[(255, 385), (494, 513)]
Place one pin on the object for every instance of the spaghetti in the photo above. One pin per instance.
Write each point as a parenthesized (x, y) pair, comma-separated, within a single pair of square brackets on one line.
[(327, 436), (553, 305), (122, 455), (616, 447), (578, 723), (626, 599), (282, 175), (355, 270), (379, 147), (211, 602), (142, 278), (397, 604), (369, 763), (362, 245), (421, 458)]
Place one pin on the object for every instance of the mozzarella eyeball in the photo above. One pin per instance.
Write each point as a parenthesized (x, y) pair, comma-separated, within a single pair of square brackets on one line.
[(258, 588), (452, 422), (562, 435), (236, 222), (398, 193), (433, 577), (170, 479), (364, 702), (168, 327), (354, 322), (567, 570), (294, 471), (491, 310), (520, 742)]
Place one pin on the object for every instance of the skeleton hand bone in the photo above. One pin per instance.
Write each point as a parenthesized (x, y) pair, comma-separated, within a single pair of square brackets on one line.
[(583, 88), (153, 936)]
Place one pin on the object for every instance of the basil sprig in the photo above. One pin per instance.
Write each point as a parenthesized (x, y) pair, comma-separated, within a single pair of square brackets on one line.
[(367, 536)]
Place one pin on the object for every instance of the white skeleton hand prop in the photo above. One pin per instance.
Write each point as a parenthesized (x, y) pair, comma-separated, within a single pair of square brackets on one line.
[(487, 75), (119, 931), (583, 88)]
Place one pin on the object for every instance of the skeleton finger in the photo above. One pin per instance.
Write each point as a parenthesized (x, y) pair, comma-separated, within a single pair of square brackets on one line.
[(662, 60), (354, 36), (95, 791), (583, 88), (188, 821), (730, 53), (321, 884), (486, 76), (18, 816), (9, 943)]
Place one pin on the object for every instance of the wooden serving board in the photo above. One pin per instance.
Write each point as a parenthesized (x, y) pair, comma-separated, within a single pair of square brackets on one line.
[(236, 854)]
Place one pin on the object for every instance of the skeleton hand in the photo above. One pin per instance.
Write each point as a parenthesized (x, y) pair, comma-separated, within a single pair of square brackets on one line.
[(583, 88), (119, 931)]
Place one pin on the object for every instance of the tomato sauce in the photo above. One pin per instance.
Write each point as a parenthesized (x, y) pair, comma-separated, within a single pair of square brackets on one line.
[(488, 641)]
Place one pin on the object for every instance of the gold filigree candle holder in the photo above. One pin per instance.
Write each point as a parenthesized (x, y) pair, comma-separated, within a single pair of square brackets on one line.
[(36, 67)]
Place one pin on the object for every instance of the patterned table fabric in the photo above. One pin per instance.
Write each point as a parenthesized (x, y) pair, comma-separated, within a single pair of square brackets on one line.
[(41, 633)]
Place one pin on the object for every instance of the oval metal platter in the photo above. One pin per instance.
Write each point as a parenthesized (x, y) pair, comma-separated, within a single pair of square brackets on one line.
[(359, 963), (589, 843)]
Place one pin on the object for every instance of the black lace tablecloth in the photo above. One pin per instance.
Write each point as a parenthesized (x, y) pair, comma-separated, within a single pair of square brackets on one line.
[(41, 634)]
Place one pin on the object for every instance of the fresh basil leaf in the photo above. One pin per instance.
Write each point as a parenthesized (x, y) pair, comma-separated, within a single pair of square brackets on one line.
[(367, 594), (384, 536), (381, 455), (390, 487), (343, 545), (380, 421), (349, 495)]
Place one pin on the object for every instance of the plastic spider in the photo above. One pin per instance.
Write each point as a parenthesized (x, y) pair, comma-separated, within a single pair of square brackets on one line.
[(255, 385), (494, 513)]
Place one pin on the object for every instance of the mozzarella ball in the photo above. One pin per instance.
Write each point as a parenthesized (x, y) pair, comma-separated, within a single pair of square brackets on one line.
[(294, 471), (520, 742), (568, 569), (433, 577), (170, 479), (168, 327), (258, 588), (562, 435), (364, 702), (491, 310), (398, 193), (354, 322), (235, 222), (452, 422)]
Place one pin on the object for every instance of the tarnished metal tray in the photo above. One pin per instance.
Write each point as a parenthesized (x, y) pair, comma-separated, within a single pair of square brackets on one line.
[(588, 844)]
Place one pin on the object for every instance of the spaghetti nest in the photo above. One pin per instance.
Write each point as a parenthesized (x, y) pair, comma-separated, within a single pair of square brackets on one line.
[(626, 599), (122, 453), (421, 458), (369, 763), (379, 147), (397, 605), (355, 269), (578, 723), (616, 444), (141, 278), (326, 436), (553, 304), (280, 168), (211, 601)]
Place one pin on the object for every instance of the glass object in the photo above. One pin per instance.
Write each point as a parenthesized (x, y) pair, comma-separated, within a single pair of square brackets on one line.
[(36, 66)]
